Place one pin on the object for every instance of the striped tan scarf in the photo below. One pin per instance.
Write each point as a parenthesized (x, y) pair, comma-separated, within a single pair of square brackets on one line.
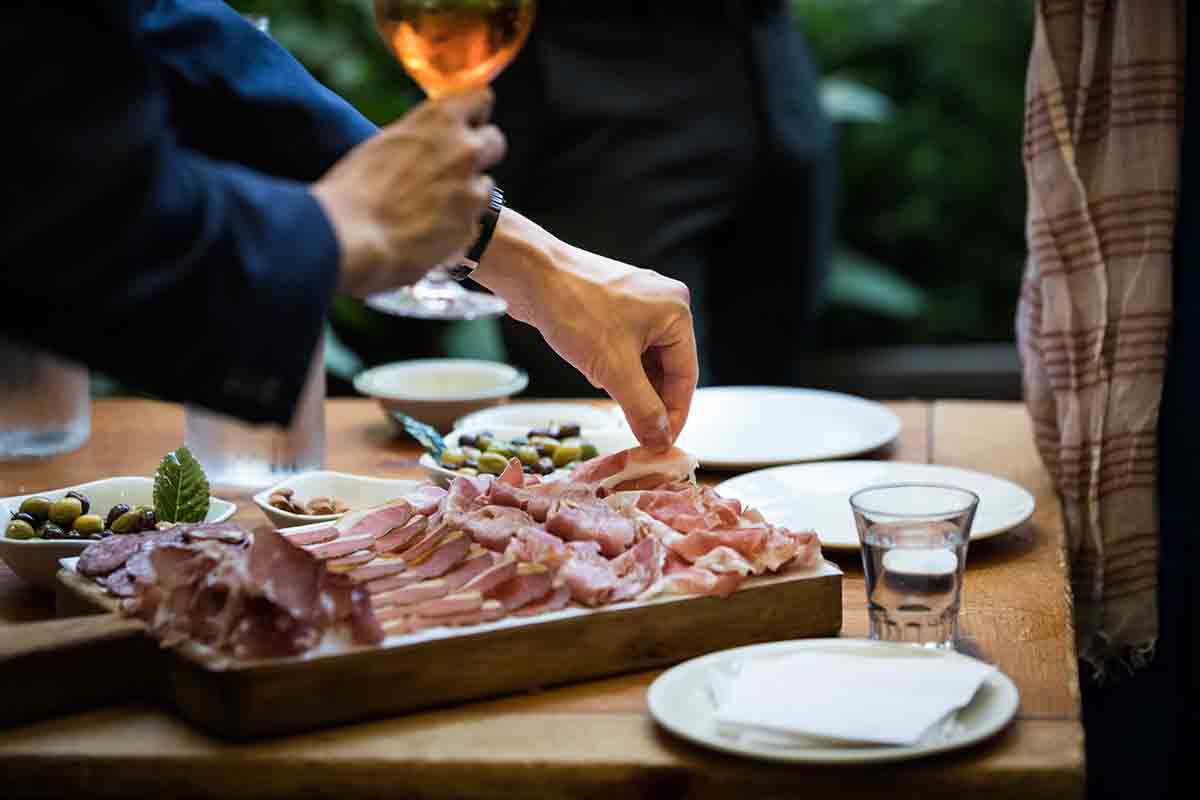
[(1104, 111)]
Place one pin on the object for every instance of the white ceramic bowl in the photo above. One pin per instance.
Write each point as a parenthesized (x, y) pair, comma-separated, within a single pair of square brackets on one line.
[(540, 415), (36, 560), (438, 391), (609, 441), (356, 491)]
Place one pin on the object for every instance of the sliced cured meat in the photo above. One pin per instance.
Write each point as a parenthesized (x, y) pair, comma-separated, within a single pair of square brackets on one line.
[(638, 569), (119, 582), (391, 582), (408, 595), (493, 526), (108, 555), (513, 475), (426, 498), (467, 493), (491, 577), (326, 533), (450, 605), (452, 549), (557, 599), (636, 464), (589, 577), (591, 519), (535, 545), (690, 508), (750, 543), (400, 537), (679, 577), (381, 567), (341, 546), (723, 559), (374, 522), (462, 574), (489, 611), (347, 563), (532, 582)]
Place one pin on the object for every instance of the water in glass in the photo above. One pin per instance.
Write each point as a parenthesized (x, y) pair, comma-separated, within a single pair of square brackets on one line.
[(45, 404)]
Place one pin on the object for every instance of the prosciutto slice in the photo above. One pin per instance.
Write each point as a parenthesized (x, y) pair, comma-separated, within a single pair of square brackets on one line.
[(532, 582), (637, 464), (591, 519)]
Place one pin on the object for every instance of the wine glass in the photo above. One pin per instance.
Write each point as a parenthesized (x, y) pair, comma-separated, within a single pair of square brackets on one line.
[(448, 46)]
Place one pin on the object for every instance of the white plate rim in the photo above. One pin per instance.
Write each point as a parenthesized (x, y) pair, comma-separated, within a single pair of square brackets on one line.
[(1003, 690), (977, 534), (480, 419), (870, 445), (367, 381)]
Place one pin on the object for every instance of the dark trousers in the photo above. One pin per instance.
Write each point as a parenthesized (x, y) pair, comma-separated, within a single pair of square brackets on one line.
[(689, 142)]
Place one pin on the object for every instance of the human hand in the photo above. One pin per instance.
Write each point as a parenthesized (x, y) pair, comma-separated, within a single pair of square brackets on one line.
[(628, 330), (411, 196)]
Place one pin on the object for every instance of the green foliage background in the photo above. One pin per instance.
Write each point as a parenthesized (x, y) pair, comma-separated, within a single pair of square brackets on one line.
[(931, 201)]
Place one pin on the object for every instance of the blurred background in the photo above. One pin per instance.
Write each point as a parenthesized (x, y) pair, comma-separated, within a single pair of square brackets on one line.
[(927, 98)]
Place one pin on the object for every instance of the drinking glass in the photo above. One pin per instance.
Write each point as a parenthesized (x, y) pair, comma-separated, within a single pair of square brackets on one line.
[(236, 454), (449, 46), (914, 548), (45, 405)]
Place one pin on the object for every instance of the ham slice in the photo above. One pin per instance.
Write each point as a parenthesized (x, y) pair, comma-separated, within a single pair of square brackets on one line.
[(380, 567), (491, 577), (408, 595), (402, 536), (374, 522), (636, 464), (557, 599), (347, 563), (491, 526), (341, 546), (453, 580), (589, 577), (489, 611), (326, 533), (532, 582), (591, 520)]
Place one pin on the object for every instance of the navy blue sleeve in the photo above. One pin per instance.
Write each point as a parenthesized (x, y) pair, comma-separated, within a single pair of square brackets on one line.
[(197, 279), (237, 95)]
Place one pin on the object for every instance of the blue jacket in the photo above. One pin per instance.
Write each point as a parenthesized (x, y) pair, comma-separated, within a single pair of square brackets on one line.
[(157, 223)]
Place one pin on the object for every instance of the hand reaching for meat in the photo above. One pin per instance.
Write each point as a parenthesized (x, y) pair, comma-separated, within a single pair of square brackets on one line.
[(628, 330)]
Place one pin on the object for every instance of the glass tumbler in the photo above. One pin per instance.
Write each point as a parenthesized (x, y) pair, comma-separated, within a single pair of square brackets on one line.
[(914, 549), (45, 405)]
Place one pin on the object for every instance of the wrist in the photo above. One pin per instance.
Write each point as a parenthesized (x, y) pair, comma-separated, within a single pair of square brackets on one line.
[(520, 262)]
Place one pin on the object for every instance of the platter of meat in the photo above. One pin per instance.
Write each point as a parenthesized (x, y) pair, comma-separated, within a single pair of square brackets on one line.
[(494, 585)]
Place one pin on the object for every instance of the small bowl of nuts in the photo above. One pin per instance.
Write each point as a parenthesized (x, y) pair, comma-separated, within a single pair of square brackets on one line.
[(323, 496)]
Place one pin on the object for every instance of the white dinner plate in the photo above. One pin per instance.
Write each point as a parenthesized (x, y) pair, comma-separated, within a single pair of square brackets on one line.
[(681, 701), (740, 427), (817, 496)]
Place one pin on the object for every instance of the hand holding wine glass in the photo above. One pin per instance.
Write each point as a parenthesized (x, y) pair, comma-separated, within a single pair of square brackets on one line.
[(448, 47), (411, 196)]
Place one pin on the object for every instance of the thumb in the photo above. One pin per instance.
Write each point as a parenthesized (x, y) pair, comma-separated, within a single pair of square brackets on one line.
[(644, 409)]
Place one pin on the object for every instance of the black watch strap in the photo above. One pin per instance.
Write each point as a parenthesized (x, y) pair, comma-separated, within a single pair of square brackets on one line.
[(487, 226)]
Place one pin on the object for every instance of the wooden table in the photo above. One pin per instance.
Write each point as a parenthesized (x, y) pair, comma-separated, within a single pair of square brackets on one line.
[(589, 740)]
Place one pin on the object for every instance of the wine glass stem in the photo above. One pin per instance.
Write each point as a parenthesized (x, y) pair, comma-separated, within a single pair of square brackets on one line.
[(437, 285)]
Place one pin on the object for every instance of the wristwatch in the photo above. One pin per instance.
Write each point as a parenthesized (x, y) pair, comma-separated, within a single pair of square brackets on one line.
[(487, 226)]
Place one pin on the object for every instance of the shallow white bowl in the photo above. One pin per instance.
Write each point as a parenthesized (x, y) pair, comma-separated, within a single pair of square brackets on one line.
[(606, 441), (36, 560), (438, 391), (540, 415), (356, 491)]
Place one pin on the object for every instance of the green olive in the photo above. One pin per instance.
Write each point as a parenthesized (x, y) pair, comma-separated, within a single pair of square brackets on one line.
[(470, 472), (129, 522), (545, 465), (587, 450), (36, 507), (52, 531), (452, 457), (528, 455), (545, 445), (484, 440), (114, 513), (493, 463), (149, 518), (565, 454), (89, 524), (64, 512), (502, 448), (575, 440), (19, 529), (83, 500)]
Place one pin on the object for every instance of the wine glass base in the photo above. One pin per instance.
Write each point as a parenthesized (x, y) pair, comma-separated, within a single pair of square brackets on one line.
[(462, 305)]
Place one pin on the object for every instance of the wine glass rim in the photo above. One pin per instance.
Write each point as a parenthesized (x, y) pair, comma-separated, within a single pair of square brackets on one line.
[(970, 500)]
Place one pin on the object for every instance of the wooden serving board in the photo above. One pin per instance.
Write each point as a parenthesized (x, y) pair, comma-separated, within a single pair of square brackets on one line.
[(436, 667)]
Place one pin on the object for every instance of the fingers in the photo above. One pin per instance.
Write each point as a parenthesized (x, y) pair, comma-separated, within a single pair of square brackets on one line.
[(489, 145), (642, 406), (473, 107), (680, 372)]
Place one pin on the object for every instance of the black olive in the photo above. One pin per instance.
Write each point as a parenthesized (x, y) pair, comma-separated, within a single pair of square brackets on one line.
[(518, 441), (82, 498), (566, 430), (113, 513), (73, 534), (541, 432), (466, 440), (149, 519), (52, 531)]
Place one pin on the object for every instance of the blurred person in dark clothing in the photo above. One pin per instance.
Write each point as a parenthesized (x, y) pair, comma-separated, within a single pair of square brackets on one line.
[(688, 137)]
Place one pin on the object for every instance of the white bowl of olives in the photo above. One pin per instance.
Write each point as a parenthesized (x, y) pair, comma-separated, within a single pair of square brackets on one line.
[(41, 528), (551, 451)]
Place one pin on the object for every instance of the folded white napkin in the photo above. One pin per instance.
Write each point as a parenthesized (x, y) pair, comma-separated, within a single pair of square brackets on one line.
[(862, 695)]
